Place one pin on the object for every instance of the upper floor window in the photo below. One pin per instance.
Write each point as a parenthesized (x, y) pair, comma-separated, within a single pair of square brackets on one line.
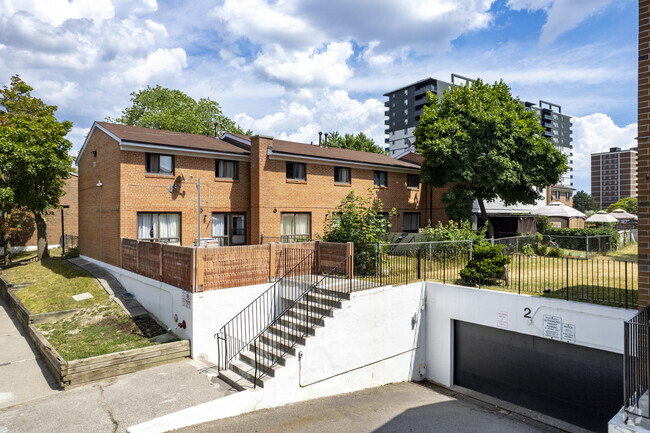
[(342, 175), (381, 178), (162, 164), (227, 169), (296, 171), (412, 180)]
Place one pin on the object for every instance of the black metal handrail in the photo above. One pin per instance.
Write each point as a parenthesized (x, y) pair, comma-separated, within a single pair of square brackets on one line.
[(636, 366), (246, 326), (303, 314)]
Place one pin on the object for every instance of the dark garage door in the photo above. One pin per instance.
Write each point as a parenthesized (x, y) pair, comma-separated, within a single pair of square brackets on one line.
[(580, 385)]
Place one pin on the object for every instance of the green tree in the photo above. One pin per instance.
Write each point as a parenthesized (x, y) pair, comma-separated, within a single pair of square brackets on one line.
[(358, 219), (484, 142), (584, 202), (628, 204), (360, 142), (172, 110), (34, 161)]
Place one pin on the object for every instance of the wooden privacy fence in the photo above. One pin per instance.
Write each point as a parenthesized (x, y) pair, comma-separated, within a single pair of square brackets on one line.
[(203, 269)]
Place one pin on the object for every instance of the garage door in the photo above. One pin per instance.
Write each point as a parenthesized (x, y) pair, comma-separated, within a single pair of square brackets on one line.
[(580, 385)]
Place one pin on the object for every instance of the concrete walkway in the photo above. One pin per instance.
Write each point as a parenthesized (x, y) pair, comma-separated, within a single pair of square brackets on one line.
[(400, 407), (112, 286), (115, 404), (23, 375)]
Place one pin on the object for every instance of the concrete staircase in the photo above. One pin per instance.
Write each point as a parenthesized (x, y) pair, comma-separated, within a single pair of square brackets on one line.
[(283, 338)]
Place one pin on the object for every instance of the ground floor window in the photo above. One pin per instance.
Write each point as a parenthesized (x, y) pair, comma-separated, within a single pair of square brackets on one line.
[(411, 222), (296, 227), (229, 228), (159, 227)]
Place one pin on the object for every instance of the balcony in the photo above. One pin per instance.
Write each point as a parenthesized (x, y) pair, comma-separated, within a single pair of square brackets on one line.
[(387, 113), (387, 122), (386, 131), (424, 89), (386, 140), (418, 112), (387, 104)]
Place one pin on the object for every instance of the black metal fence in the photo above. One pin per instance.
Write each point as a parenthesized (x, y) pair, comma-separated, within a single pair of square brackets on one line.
[(636, 366), (600, 281)]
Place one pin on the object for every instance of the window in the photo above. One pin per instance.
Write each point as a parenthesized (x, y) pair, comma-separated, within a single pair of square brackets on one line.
[(406, 102), (229, 229), (406, 121), (411, 222), (226, 169), (381, 178), (295, 227), (412, 180), (406, 111), (406, 92), (568, 195), (162, 164), (159, 227), (341, 175), (296, 171)]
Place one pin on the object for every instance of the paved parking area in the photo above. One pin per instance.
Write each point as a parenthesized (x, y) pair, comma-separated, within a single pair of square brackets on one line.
[(400, 407)]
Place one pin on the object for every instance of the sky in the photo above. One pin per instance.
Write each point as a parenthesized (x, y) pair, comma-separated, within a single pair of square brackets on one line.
[(292, 68)]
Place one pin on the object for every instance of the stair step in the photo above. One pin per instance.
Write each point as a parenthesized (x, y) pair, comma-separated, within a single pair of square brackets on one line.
[(235, 380), (288, 334), (263, 364), (247, 372), (332, 293), (314, 309), (279, 344), (321, 300), (305, 318), (297, 324), (272, 353)]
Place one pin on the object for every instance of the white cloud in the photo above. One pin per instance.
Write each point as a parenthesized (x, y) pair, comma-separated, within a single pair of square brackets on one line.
[(597, 133), (324, 111), (262, 22), (55, 12), (163, 61), (325, 67), (376, 60), (562, 15)]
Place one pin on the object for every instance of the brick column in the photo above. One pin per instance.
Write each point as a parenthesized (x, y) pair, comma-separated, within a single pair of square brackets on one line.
[(643, 135), (259, 146)]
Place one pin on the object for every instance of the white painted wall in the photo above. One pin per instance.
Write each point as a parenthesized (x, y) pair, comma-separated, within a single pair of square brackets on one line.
[(596, 326), (211, 310), (160, 299), (498, 206)]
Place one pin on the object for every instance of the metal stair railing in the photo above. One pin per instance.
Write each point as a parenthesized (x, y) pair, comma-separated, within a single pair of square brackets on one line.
[(307, 313), (249, 323)]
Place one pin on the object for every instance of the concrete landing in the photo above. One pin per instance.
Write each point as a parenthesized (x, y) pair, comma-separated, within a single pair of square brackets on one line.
[(113, 287)]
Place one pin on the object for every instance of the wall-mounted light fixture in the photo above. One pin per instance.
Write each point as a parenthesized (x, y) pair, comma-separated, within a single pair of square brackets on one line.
[(94, 153), (100, 183)]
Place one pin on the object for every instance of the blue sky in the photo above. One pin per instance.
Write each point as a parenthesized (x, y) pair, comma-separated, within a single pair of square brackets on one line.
[(293, 68)]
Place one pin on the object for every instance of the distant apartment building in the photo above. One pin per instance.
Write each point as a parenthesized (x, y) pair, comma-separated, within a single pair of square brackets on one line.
[(613, 175), (405, 105)]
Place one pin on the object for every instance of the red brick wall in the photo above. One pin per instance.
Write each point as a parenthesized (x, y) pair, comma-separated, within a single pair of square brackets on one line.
[(644, 152), (99, 207)]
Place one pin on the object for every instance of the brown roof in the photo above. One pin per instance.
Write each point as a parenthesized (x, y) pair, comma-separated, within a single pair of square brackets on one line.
[(413, 157), (161, 137), (303, 149)]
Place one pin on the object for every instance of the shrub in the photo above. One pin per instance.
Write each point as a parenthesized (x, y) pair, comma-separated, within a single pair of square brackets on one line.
[(542, 224), (487, 265), (598, 231), (453, 231), (541, 250), (528, 250), (555, 252), (358, 220), (71, 253)]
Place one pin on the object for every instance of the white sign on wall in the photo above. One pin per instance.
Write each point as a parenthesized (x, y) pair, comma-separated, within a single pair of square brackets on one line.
[(502, 319), (552, 327), (569, 333), (186, 299)]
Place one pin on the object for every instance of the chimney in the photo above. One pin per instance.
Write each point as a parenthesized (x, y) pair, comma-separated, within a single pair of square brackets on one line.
[(320, 138), (216, 124), (326, 143)]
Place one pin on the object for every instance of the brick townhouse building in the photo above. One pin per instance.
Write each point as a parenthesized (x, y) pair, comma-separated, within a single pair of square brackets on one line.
[(141, 183)]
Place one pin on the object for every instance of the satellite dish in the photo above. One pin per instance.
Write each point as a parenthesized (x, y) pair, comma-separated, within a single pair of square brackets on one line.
[(182, 176)]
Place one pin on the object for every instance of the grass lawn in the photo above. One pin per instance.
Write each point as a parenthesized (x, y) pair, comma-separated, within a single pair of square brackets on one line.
[(99, 328), (628, 253), (55, 281)]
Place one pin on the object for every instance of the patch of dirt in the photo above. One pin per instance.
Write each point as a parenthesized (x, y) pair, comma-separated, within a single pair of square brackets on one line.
[(148, 326)]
